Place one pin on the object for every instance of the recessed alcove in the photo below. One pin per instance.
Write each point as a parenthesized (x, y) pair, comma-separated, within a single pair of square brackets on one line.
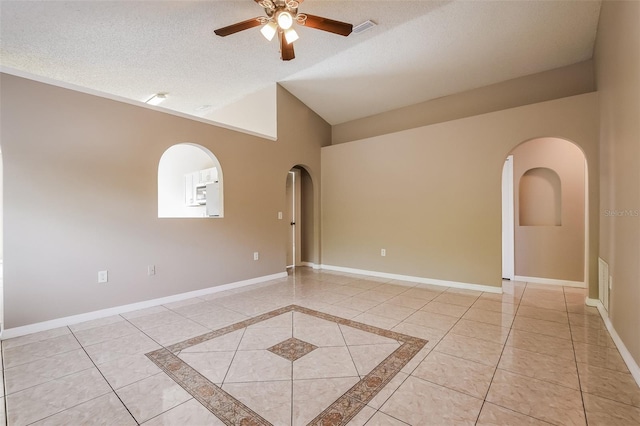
[(540, 198)]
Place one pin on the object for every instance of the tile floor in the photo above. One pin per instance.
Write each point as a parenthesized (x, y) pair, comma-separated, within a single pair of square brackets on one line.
[(364, 350)]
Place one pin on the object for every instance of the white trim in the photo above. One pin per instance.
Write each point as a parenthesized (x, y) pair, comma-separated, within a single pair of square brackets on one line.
[(634, 369), (93, 92), (591, 302), (75, 319), (421, 280), (549, 281), (310, 265)]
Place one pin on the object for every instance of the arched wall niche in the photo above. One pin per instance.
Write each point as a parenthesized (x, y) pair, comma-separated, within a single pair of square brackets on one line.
[(190, 183), (540, 198)]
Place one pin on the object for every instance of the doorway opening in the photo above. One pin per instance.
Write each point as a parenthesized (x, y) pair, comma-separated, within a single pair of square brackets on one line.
[(300, 217), (545, 213)]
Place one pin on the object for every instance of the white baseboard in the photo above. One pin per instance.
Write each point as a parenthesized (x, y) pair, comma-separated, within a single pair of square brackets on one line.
[(549, 281), (75, 319), (310, 265), (421, 280), (632, 365), (591, 302)]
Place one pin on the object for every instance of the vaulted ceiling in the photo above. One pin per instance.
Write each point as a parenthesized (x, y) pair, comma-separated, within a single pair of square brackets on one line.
[(420, 50)]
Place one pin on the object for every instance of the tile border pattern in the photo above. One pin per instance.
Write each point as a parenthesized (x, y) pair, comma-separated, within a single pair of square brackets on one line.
[(292, 349), (233, 412)]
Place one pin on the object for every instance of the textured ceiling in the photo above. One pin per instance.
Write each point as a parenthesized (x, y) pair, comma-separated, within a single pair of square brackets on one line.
[(420, 50)]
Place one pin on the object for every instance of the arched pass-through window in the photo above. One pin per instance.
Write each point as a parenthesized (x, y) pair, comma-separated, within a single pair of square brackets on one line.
[(190, 183)]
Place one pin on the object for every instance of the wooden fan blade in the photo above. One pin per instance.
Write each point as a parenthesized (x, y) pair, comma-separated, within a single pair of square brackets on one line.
[(326, 24), (286, 49), (240, 26)]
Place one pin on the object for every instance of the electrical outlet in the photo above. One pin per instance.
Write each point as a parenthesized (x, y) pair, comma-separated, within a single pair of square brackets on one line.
[(383, 252), (103, 277), (279, 215), (151, 270), (256, 255)]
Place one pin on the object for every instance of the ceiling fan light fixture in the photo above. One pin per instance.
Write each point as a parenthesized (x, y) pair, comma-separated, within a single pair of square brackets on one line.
[(269, 30), (291, 35), (285, 20)]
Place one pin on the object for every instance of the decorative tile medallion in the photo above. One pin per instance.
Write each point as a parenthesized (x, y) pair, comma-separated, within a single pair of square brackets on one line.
[(233, 412), (292, 349)]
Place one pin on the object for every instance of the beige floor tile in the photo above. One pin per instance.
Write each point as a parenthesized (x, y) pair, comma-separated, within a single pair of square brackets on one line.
[(501, 298), (381, 397), (393, 289), (162, 318), (408, 301), (480, 330), (433, 335), (92, 336), (543, 314), (128, 369), (445, 309), (311, 397), (144, 312), (456, 299), (264, 338), (218, 319), (34, 337), (106, 409), (362, 417), (255, 366), (225, 343), (41, 371), (548, 328), (270, 400), (375, 296), (376, 320), (134, 344), (320, 336), (586, 320), (389, 310), (341, 311), (358, 304), (188, 413), (581, 308), (29, 352), (367, 357), (495, 306), (176, 332), (493, 415), (3, 415), (152, 396), (44, 400), (482, 351), (490, 317), (540, 343), (195, 309), (114, 319), (347, 290), (600, 356), (432, 320), (183, 303), (423, 293), (382, 419), (459, 374), (558, 305), (542, 367), (354, 336), (536, 398), (609, 384), (592, 336), (605, 412), (363, 284), (212, 365), (418, 402), (325, 363)]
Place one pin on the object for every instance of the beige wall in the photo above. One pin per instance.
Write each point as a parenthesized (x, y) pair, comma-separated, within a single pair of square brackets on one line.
[(553, 252), (80, 188), (431, 196), (554, 84), (617, 63)]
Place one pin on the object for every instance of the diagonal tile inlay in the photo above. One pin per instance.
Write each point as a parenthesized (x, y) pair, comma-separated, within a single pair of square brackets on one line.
[(233, 412), (292, 349)]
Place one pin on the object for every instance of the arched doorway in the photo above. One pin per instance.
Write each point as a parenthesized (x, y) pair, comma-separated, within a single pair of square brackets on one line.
[(545, 213), (299, 215)]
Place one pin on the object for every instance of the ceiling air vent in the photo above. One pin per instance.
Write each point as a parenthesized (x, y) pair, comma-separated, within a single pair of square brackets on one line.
[(366, 25)]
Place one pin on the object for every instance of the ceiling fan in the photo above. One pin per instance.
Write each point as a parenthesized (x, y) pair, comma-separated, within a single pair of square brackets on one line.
[(281, 15)]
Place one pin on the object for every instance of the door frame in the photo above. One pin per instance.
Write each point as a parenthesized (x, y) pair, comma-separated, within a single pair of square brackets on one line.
[(508, 221)]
